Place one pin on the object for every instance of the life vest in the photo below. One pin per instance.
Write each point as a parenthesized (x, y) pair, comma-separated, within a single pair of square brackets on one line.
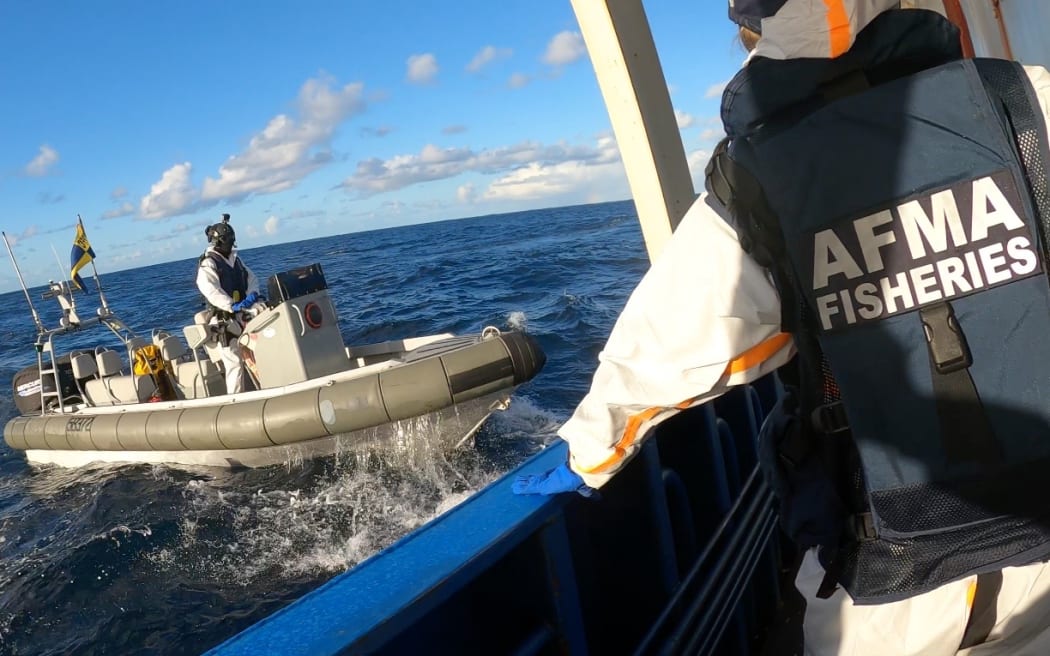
[(232, 279), (897, 195), (149, 362)]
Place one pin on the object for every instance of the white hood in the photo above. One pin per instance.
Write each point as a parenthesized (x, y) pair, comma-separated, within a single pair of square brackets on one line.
[(816, 28)]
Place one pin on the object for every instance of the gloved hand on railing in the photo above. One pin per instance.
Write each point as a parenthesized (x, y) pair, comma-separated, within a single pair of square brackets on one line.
[(249, 300), (557, 480)]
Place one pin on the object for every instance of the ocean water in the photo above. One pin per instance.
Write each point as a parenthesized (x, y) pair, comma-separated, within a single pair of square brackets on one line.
[(134, 559)]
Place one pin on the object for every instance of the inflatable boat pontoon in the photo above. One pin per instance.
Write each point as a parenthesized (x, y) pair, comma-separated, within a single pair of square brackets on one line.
[(315, 396)]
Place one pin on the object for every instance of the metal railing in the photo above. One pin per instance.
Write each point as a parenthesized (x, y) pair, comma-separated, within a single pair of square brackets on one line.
[(678, 556)]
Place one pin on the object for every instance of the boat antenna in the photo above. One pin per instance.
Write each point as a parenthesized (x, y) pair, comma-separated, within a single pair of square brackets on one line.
[(94, 270), (14, 263)]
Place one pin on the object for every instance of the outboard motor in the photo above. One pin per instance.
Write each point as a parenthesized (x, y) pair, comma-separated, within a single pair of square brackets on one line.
[(25, 386), (298, 337)]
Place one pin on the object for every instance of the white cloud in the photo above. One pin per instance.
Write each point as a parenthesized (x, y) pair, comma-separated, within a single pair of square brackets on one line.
[(125, 209), (454, 129), (465, 193), (600, 176), (123, 257), (518, 80), (565, 48), (289, 148), (375, 176), (715, 90), (684, 120), (712, 134), (486, 56), (697, 161), (118, 193), (42, 163), (26, 234), (271, 225), (422, 68), (171, 195)]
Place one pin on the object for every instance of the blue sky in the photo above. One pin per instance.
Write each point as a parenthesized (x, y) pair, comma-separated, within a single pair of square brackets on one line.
[(312, 118)]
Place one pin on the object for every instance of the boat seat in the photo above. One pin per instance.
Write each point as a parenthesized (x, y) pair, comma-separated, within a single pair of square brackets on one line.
[(135, 343), (200, 335), (171, 348), (84, 366), (112, 387), (109, 363), (192, 380)]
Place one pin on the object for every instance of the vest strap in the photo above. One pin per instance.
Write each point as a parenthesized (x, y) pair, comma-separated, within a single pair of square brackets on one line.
[(830, 418), (863, 527), (758, 228), (966, 433)]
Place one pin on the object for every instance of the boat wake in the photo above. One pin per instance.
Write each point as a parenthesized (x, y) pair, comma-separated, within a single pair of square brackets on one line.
[(339, 511)]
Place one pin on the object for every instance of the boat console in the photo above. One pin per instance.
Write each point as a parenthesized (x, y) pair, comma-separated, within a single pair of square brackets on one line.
[(297, 336)]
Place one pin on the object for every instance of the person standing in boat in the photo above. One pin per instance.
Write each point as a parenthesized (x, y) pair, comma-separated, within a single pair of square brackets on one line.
[(228, 287), (888, 256)]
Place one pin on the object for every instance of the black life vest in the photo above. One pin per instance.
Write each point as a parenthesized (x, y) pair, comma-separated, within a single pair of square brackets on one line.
[(897, 194), (232, 279)]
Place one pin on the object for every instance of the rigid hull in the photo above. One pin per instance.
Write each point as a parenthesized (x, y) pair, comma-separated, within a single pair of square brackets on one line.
[(454, 382)]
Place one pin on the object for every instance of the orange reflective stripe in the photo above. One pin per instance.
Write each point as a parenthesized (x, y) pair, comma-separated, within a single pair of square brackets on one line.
[(758, 354), (752, 357), (839, 32), (630, 434)]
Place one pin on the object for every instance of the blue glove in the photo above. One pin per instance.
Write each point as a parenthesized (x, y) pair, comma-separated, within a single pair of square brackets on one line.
[(249, 300), (560, 479)]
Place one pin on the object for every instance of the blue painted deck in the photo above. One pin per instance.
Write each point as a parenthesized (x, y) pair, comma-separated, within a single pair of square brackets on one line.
[(679, 556)]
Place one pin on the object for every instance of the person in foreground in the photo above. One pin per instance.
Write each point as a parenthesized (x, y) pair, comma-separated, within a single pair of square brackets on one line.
[(228, 286), (874, 231)]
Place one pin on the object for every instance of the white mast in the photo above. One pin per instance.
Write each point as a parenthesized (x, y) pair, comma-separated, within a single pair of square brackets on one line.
[(622, 52)]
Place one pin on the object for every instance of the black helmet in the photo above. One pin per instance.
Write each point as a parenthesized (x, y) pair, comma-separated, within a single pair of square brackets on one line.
[(221, 235), (749, 13)]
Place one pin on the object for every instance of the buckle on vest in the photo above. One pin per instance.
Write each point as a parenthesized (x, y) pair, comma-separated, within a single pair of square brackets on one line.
[(944, 339), (830, 418), (863, 526)]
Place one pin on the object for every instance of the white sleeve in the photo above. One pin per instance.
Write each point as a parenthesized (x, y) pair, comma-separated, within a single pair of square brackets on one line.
[(704, 318), (208, 284), (1040, 79)]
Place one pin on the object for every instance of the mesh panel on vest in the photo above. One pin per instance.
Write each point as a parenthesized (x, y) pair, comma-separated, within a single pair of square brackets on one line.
[(886, 570)]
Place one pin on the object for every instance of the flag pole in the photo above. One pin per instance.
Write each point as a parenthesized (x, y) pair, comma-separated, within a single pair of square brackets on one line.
[(98, 282), (14, 263)]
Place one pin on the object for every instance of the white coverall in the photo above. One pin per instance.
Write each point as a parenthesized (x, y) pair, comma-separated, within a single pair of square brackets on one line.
[(208, 284), (698, 324)]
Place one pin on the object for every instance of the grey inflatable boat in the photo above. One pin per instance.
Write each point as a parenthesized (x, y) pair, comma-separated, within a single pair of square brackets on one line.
[(315, 396)]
